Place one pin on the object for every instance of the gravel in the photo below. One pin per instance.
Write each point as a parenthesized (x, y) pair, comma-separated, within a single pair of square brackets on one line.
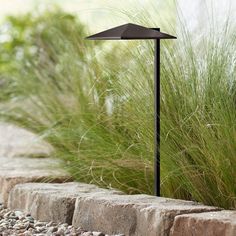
[(17, 223)]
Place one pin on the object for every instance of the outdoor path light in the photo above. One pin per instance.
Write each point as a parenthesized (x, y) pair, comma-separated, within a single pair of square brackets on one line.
[(132, 32)]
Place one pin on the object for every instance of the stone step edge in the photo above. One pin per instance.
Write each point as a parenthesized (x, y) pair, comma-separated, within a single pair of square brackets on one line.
[(214, 223), (19, 170), (85, 203), (152, 219), (51, 201)]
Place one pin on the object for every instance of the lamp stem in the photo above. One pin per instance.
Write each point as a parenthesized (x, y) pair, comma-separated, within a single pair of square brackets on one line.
[(157, 118)]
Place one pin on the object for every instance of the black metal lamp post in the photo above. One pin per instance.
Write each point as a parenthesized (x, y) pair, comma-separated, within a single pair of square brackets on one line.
[(132, 32)]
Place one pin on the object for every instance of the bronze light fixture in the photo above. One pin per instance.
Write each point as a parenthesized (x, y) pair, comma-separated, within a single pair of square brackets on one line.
[(137, 32)]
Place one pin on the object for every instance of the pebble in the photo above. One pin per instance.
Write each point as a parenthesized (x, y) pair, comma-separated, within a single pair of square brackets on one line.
[(17, 223), (98, 234), (87, 234)]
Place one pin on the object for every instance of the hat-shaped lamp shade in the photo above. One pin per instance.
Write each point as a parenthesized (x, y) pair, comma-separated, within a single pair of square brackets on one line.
[(137, 32), (129, 32)]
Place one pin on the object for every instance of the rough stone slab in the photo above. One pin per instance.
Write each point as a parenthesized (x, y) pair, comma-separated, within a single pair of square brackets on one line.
[(15, 141), (52, 202), (221, 223), (23, 170), (131, 214)]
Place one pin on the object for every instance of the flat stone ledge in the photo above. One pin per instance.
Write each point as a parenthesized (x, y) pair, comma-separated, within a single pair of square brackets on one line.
[(221, 223), (132, 215), (52, 202), (16, 141), (15, 171)]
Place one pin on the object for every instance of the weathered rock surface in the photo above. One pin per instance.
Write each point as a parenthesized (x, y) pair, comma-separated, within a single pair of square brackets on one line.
[(23, 170), (221, 223), (15, 141), (131, 214), (52, 202)]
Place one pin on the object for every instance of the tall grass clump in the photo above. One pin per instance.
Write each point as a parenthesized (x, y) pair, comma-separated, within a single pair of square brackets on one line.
[(78, 105), (198, 119), (97, 110)]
